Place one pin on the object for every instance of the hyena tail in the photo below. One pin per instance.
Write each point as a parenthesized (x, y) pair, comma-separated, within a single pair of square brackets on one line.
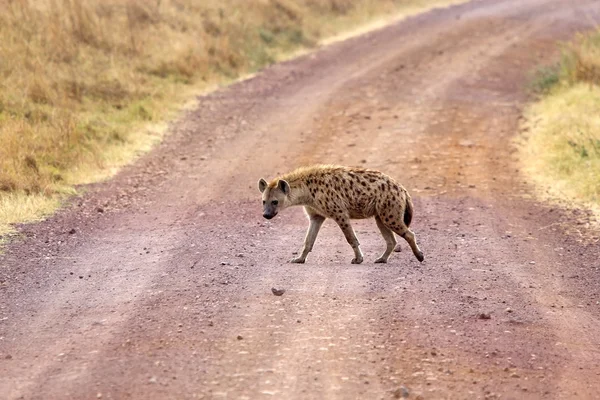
[(408, 212)]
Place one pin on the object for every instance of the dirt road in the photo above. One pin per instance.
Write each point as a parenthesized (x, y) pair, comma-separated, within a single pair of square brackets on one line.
[(157, 285)]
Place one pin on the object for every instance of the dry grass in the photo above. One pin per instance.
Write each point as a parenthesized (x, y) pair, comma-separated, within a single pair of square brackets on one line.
[(581, 60), (80, 80), (29, 206), (560, 148)]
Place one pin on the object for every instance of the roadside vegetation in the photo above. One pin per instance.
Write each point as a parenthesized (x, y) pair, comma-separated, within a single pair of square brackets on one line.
[(83, 81), (560, 146)]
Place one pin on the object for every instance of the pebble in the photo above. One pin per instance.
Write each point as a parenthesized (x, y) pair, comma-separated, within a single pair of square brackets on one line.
[(278, 292), (401, 392), (240, 337), (485, 315)]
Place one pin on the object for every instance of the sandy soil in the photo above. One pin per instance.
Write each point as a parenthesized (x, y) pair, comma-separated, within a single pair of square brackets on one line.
[(157, 284)]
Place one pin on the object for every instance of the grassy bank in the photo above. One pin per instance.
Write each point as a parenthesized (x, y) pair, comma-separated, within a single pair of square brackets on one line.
[(560, 148), (81, 81)]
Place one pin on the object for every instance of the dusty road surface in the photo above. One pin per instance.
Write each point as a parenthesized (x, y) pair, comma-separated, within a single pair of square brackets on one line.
[(157, 285)]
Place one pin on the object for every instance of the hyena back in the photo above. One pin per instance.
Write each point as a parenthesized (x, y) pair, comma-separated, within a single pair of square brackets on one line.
[(342, 194)]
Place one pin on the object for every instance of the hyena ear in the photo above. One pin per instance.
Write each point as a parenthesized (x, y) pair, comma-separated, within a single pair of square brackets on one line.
[(284, 186), (262, 185)]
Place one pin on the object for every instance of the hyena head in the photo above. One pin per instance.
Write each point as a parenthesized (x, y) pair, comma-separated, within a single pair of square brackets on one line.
[(273, 198)]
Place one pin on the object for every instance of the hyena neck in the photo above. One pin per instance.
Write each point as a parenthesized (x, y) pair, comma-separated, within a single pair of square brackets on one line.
[(299, 196)]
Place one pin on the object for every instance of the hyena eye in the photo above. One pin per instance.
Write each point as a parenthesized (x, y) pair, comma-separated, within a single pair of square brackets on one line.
[(264, 202), (274, 202)]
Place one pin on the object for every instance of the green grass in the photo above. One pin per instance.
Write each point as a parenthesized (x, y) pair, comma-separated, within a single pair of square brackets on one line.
[(545, 79), (560, 148)]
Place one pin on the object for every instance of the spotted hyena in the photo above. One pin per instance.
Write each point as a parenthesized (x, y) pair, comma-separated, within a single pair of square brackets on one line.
[(342, 194)]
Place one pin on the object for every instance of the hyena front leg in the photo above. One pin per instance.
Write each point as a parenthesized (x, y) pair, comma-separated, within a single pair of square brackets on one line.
[(390, 240), (344, 224), (316, 221)]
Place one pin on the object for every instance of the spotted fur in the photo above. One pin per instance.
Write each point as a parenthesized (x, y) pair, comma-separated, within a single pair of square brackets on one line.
[(342, 194)]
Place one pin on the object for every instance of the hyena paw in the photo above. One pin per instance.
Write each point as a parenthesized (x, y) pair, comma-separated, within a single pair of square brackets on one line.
[(398, 249), (381, 260), (357, 260), (420, 256), (297, 260)]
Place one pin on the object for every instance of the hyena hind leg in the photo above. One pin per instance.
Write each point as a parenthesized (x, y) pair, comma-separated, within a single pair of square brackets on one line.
[(404, 232), (389, 238)]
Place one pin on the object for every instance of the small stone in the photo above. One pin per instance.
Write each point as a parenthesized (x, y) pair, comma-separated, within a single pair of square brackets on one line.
[(278, 292), (8, 357), (100, 209), (152, 380), (72, 231), (509, 310), (401, 392), (485, 315), (99, 396), (240, 337), (514, 375), (405, 392)]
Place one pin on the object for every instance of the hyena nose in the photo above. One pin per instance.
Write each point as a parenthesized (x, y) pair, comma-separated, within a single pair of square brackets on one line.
[(267, 216)]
